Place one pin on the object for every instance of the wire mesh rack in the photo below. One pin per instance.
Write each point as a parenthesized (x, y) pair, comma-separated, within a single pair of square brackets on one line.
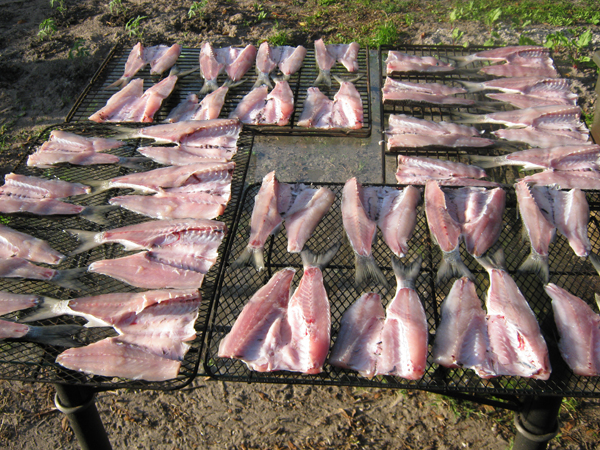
[(36, 362), (95, 96), (567, 270)]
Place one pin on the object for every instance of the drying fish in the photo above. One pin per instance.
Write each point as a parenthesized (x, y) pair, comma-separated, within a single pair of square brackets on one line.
[(77, 143), (344, 111), (566, 179), (423, 93), (418, 170), (405, 331), (543, 137), (259, 328), (358, 343), (536, 67), (16, 244), (579, 330), (578, 157), (328, 55), (266, 220), (403, 124), (554, 117), (516, 342), (521, 101), (288, 59), (18, 186), (540, 228), (503, 53), (190, 109), (304, 215), (461, 339), (361, 228), (182, 155), (21, 268), (536, 86), (107, 309), (317, 110), (127, 357), (10, 302), (237, 61), (58, 335), (399, 62), (261, 107), (398, 217), (160, 57)]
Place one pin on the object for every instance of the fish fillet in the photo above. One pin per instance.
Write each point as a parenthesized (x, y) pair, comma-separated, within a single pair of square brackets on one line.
[(398, 217), (16, 244)]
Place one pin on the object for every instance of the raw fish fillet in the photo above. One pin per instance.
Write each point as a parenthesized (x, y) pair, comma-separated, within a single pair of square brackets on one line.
[(317, 110), (45, 206), (461, 339), (182, 155), (566, 179), (482, 221), (405, 331), (536, 86), (540, 137), (571, 216), (571, 157), (21, 268), (344, 111), (261, 326), (39, 188), (237, 61), (398, 217), (328, 55), (135, 62), (358, 343), (77, 143), (288, 59), (21, 245), (579, 330), (503, 53), (427, 93), (116, 357), (360, 229), (399, 62), (10, 302), (305, 214), (210, 68), (528, 101), (209, 108), (536, 67), (122, 101), (58, 335), (265, 220), (260, 107), (419, 170), (400, 141), (517, 345)]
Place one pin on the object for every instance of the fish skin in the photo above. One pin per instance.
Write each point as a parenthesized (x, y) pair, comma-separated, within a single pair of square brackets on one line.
[(579, 330), (47, 158), (399, 62), (193, 109), (565, 179), (347, 54), (360, 230), (398, 217), (405, 330), (10, 302), (16, 185), (540, 231), (309, 208), (427, 93), (461, 338), (117, 357), (144, 108), (358, 343), (543, 137), (21, 245), (400, 141), (266, 62)]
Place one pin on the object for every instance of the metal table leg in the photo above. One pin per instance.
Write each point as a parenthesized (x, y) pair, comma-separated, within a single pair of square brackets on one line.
[(77, 402), (537, 423)]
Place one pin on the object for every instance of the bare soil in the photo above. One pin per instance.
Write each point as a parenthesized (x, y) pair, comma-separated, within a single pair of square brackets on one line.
[(40, 80)]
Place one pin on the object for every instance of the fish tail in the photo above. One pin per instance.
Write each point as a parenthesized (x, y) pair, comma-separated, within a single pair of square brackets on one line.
[(320, 260), (48, 308), (87, 240), (461, 60), (537, 264), (252, 256), (493, 261), (340, 80), (122, 133), (133, 162), (120, 83), (595, 260), (452, 265), (232, 84), (97, 214), (262, 78), (324, 77), (366, 268), (406, 274), (180, 74), (486, 162), (68, 279), (472, 86), (209, 86), (469, 118), (59, 335)]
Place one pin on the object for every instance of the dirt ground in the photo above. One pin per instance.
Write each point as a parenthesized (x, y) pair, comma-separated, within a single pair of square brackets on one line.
[(39, 81)]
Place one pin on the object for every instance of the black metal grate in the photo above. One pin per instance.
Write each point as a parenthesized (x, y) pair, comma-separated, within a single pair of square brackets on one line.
[(32, 362), (567, 270), (95, 96)]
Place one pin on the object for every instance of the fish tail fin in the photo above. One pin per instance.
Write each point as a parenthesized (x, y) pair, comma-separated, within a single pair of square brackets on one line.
[(452, 265), (493, 261), (59, 335), (97, 214), (597, 298), (122, 133), (537, 264), (468, 118), (180, 74), (133, 162), (97, 186), (68, 278), (231, 83), (320, 260), (485, 161), (87, 240), (472, 86), (209, 86), (366, 268), (48, 308), (406, 274), (595, 260), (249, 256), (340, 80), (262, 78), (120, 83), (461, 60), (324, 77)]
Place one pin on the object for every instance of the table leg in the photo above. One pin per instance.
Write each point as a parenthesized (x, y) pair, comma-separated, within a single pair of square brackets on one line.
[(537, 423), (77, 402)]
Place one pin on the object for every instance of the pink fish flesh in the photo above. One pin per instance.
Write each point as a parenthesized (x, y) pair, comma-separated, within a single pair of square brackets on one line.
[(579, 330), (210, 68), (428, 93), (461, 339), (45, 206), (432, 168), (305, 214), (344, 111), (21, 268), (45, 158), (261, 107), (360, 230), (538, 86), (182, 155), (191, 109), (521, 101), (120, 103), (566, 179), (237, 61), (76, 143), (358, 343), (10, 302), (288, 59), (398, 62), (400, 141), (58, 335), (135, 62), (503, 54), (536, 67), (118, 357), (21, 245), (19, 186), (539, 137), (398, 217), (317, 110), (328, 55)]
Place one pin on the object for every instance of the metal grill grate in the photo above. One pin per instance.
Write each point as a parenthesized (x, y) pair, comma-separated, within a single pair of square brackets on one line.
[(95, 96), (32, 362), (567, 270)]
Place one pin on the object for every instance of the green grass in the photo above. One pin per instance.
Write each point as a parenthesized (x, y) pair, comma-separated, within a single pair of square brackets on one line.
[(385, 34)]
